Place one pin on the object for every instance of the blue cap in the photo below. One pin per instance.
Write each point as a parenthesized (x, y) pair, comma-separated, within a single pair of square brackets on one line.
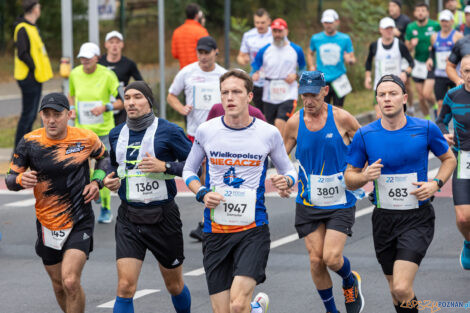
[(311, 82)]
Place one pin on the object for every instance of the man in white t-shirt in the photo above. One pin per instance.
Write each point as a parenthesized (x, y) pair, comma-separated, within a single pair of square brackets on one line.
[(200, 82), (252, 41)]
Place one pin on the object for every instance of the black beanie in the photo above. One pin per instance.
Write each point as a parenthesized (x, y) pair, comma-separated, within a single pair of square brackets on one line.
[(142, 86), (28, 5)]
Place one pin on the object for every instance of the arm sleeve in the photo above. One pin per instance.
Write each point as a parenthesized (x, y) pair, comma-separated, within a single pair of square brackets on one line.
[(445, 116), (370, 56), (114, 85), (71, 85), (356, 153), (258, 61), (300, 58), (179, 143), (113, 137), (23, 46), (177, 85), (436, 141), (280, 158), (18, 165), (455, 56), (244, 45), (194, 160), (135, 72), (312, 44), (405, 53), (349, 45)]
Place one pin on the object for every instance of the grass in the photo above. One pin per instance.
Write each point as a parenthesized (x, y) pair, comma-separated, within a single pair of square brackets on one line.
[(8, 130)]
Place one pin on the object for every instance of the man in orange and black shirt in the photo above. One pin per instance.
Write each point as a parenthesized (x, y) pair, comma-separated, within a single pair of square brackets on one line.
[(58, 158)]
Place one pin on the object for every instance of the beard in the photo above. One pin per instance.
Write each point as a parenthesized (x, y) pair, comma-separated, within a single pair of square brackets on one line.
[(279, 42), (422, 19)]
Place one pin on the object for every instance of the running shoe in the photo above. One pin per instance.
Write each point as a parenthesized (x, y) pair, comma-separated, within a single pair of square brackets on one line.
[(465, 255), (263, 301), (105, 217), (197, 233), (353, 296)]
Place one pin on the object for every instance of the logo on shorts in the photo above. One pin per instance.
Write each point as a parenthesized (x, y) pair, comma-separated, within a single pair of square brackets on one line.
[(175, 262), (231, 179), (74, 148), (85, 236)]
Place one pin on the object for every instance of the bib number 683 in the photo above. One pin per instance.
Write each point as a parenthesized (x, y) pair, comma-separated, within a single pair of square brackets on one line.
[(398, 193)]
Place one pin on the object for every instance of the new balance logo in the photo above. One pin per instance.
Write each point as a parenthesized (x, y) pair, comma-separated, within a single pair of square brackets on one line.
[(85, 236), (175, 262), (329, 135)]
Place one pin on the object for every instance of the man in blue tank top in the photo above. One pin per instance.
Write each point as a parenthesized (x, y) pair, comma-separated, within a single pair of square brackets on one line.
[(325, 209), (396, 147)]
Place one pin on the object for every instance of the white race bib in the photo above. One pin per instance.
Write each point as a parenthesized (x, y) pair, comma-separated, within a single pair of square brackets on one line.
[(238, 209), (393, 191), (341, 86), (205, 96), (55, 239), (144, 188), (463, 171), (441, 59), (278, 90), (419, 70), (85, 117), (327, 190), (390, 66)]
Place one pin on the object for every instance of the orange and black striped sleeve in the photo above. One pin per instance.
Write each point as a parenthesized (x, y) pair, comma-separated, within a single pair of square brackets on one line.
[(19, 164)]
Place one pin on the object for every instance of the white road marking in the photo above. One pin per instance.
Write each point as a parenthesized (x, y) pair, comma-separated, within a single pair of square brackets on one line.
[(138, 294), (196, 272), (22, 203)]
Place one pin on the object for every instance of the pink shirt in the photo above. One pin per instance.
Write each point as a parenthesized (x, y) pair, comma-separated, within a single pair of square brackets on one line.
[(218, 110)]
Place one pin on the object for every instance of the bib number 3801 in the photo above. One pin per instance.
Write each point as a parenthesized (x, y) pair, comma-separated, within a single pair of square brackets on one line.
[(393, 191), (238, 209), (327, 190)]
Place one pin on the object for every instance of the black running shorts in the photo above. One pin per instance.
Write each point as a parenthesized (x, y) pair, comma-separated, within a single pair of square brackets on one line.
[(402, 235), (308, 219), (281, 111), (80, 238), (235, 254), (441, 86), (164, 238)]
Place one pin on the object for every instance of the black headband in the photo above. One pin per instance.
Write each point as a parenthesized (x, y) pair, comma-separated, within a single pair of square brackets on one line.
[(142, 86), (391, 78)]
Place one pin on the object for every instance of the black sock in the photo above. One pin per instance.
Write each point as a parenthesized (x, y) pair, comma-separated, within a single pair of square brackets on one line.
[(410, 306)]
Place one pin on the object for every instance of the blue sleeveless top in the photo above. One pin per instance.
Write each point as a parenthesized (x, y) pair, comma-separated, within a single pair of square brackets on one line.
[(321, 152), (443, 45)]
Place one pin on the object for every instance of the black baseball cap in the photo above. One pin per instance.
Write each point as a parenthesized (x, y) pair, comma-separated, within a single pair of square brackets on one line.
[(207, 44), (56, 101), (391, 78)]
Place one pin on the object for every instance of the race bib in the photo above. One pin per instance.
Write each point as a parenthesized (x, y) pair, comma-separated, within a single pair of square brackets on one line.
[(145, 188), (55, 239), (341, 86), (463, 171), (327, 190), (441, 59), (419, 70), (390, 66), (393, 191), (278, 90), (238, 209), (205, 96), (85, 117)]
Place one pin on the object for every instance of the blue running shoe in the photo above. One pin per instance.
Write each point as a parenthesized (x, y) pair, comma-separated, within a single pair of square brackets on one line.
[(465, 255), (354, 300), (105, 217)]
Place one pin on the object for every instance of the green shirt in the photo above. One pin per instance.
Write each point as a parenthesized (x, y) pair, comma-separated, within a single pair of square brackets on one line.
[(423, 33), (93, 89)]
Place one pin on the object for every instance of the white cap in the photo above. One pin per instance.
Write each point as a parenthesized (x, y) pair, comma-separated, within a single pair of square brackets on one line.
[(113, 34), (387, 22), (329, 16), (467, 9), (446, 15), (88, 50)]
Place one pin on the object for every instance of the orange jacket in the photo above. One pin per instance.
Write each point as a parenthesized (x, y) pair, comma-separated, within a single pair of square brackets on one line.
[(184, 41)]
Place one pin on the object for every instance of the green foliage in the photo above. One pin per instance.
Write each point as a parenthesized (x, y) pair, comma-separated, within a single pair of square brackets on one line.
[(239, 26), (363, 17)]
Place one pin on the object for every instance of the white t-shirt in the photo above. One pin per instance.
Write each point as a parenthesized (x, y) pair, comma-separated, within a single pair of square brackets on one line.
[(201, 89), (252, 42)]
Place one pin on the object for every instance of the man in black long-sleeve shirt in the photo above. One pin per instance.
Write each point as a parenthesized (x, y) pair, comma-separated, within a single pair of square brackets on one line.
[(32, 65), (124, 67)]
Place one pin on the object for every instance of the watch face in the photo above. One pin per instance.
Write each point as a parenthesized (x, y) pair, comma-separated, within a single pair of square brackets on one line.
[(167, 165)]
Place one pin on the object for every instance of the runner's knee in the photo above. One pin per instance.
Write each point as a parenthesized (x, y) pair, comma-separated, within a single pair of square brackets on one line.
[(238, 305), (126, 288), (333, 259), (71, 284), (402, 292), (174, 287)]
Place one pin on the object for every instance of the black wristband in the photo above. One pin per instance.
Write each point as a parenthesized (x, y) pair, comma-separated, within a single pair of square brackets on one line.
[(99, 182), (201, 193)]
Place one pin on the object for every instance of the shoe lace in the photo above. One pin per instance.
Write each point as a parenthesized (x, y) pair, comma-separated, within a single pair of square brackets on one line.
[(349, 294)]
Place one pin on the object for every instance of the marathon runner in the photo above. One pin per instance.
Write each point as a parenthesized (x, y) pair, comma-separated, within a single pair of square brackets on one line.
[(148, 217), (252, 41), (418, 34), (57, 156), (200, 81), (396, 147), (459, 50), (279, 60), (464, 28), (332, 49), (91, 88), (325, 210), (401, 20), (123, 67), (388, 52), (442, 43), (236, 233), (455, 108), (457, 14)]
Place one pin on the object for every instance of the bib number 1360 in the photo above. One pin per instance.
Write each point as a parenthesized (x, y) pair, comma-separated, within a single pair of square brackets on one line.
[(141, 187)]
